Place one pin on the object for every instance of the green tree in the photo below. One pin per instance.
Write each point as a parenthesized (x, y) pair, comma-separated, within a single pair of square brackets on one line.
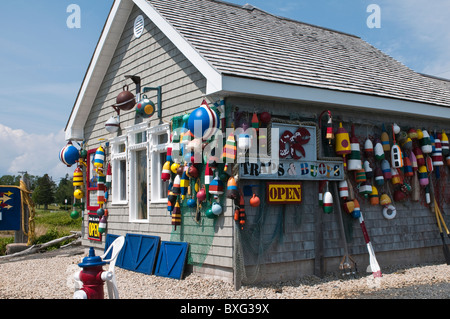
[(64, 191), (10, 180), (44, 193)]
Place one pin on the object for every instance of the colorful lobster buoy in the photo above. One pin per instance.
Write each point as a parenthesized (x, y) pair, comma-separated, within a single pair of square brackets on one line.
[(232, 189), (99, 157), (423, 176), (354, 159), (343, 147), (425, 142), (408, 168), (419, 156), (255, 201), (166, 173), (368, 169), (125, 100), (201, 194), (436, 155), (395, 179), (176, 215), (176, 187), (216, 186), (445, 144), (365, 189), (379, 178), (102, 225), (343, 189), (360, 176), (385, 140), (242, 216), (216, 209), (386, 169), (396, 155), (78, 194), (378, 150), (101, 189), (374, 197), (368, 148), (69, 154), (78, 177), (203, 122), (145, 108), (327, 203), (356, 213), (229, 151)]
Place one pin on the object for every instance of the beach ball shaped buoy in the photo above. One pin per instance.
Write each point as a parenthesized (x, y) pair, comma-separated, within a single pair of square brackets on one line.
[(209, 213), (78, 194), (69, 154), (145, 108), (191, 203), (74, 214), (100, 212), (203, 122), (216, 209)]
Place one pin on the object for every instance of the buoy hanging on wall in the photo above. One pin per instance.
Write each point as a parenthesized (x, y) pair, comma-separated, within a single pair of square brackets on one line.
[(354, 159), (327, 201), (203, 122), (69, 154), (343, 147)]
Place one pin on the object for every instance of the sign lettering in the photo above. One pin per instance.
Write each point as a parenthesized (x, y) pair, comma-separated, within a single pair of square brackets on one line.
[(93, 223), (284, 192)]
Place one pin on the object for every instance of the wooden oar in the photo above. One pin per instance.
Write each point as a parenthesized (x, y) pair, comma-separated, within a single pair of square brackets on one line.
[(373, 267), (435, 209)]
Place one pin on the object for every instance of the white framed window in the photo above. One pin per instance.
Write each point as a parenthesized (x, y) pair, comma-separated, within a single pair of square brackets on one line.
[(119, 194), (138, 177), (159, 139)]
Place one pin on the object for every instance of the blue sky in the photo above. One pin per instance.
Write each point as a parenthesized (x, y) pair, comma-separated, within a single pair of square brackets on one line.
[(43, 61)]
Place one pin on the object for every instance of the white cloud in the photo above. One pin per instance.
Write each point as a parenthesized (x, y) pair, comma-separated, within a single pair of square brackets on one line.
[(34, 153), (428, 42)]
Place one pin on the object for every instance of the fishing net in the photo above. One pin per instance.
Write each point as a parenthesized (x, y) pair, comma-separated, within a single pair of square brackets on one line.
[(264, 230), (198, 232)]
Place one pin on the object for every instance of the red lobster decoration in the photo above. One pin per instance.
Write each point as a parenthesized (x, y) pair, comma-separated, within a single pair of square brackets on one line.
[(295, 141)]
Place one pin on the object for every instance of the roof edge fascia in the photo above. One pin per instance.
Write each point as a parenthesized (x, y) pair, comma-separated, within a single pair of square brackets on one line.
[(98, 66), (245, 86), (213, 77)]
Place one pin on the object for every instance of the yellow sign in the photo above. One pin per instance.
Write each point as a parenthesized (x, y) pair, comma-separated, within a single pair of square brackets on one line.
[(284, 192), (93, 223)]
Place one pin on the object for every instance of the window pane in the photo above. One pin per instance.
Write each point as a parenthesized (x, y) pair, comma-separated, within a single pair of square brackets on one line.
[(141, 184), (123, 180), (164, 185), (162, 138)]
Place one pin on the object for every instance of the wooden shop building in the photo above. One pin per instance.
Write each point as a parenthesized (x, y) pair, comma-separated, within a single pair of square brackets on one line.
[(289, 85)]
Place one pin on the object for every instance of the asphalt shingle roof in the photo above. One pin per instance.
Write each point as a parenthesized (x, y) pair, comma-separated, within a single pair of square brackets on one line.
[(248, 42)]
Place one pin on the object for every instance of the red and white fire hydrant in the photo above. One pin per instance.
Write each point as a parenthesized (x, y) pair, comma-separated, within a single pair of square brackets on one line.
[(92, 277)]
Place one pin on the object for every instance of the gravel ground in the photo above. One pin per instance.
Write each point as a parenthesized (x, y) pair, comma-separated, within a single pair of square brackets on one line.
[(49, 276)]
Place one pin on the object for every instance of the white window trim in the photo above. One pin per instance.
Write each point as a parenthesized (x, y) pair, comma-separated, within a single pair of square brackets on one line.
[(155, 163), (116, 157), (131, 150)]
